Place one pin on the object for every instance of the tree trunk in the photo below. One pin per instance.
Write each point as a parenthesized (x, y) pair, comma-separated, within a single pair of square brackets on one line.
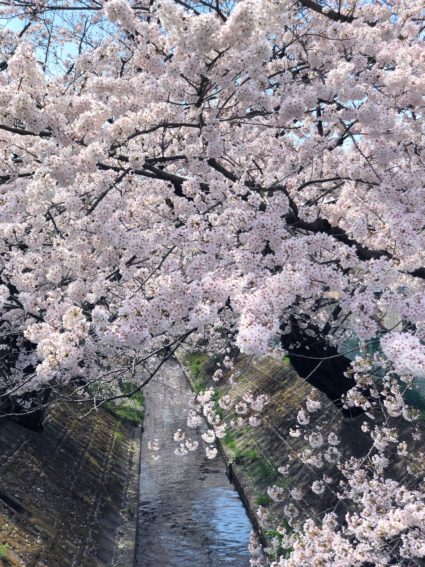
[(319, 363), (30, 415)]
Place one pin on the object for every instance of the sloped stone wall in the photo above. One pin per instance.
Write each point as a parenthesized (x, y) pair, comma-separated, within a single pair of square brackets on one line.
[(66, 493), (256, 454)]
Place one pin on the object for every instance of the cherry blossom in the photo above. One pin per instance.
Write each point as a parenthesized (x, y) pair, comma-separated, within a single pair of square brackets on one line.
[(239, 178)]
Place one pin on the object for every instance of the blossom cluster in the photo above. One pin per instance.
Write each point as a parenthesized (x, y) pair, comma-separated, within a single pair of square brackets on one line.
[(216, 177)]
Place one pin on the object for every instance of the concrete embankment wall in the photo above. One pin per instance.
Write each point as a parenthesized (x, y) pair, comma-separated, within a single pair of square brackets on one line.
[(257, 453), (68, 495)]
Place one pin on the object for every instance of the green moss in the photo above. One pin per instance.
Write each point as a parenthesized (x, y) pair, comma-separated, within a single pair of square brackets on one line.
[(283, 482), (129, 410), (200, 386), (230, 440), (273, 533), (239, 456), (3, 550), (131, 415), (263, 500), (265, 471), (245, 456), (195, 362), (138, 397), (251, 455)]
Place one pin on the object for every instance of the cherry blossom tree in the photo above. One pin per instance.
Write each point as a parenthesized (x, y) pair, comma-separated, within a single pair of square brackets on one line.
[(247, 174)]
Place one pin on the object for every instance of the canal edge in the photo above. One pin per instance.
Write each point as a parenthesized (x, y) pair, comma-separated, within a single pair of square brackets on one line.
[(128, 532), (235, 475), (136, 488)]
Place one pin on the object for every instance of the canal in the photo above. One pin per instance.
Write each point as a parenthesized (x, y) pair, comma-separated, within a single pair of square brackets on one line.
[(189, 513)]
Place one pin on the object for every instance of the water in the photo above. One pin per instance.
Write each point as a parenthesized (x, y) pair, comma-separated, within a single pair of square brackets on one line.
[(189, 513)]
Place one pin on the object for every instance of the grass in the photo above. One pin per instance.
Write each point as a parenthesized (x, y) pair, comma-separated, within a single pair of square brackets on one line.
[(285, 524), (281, 551), (128, 387), (195, 363), (119, 435), (264, 471), (283, 482), (129, 410), (263, 500), (251, 455), (3, 550), (273, 533), (216, 395), (229, 440), (245, 456), (133, 416)]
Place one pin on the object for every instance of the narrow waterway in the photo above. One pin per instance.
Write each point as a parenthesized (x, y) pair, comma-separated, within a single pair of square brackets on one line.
[(189, 513)]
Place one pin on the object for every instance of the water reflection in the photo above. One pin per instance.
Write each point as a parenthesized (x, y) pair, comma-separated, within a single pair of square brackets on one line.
[(189, 513)]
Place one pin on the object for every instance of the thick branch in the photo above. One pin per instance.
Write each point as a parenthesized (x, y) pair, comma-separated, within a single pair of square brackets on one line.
[(328, 13)]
